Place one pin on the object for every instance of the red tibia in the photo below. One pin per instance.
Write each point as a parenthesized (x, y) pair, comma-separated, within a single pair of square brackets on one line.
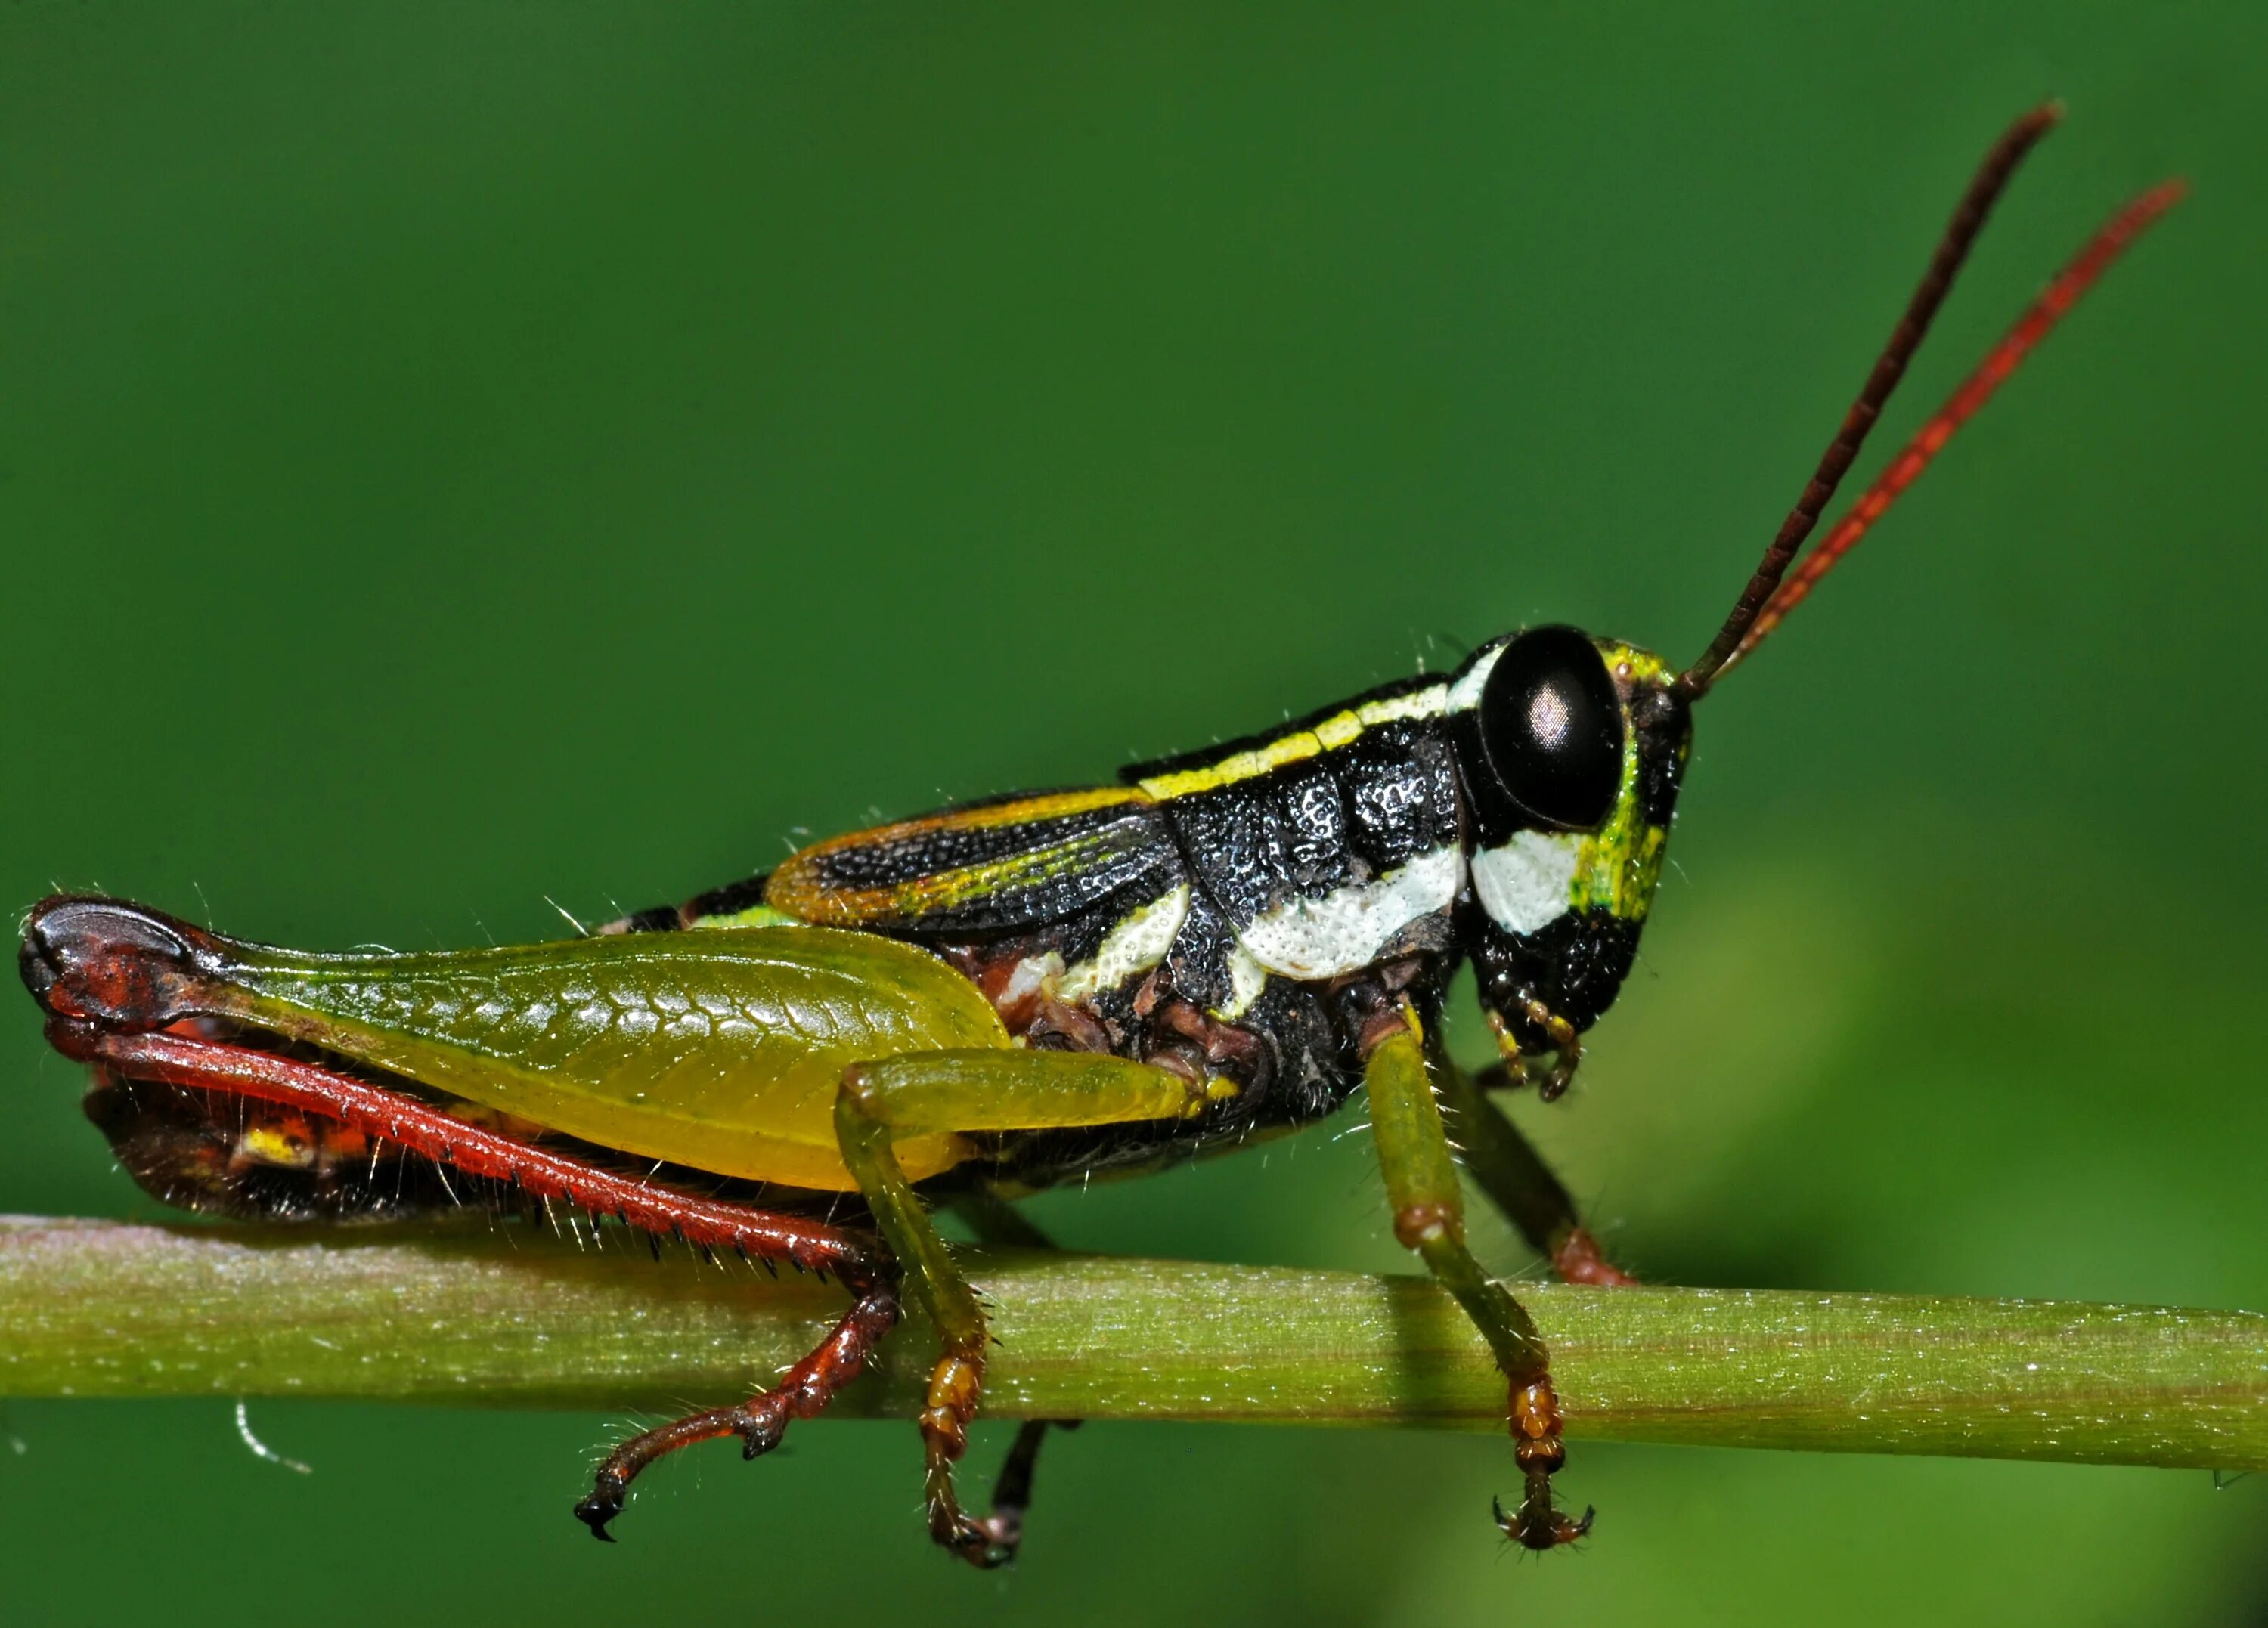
[(2058, 296), (177, 1059)]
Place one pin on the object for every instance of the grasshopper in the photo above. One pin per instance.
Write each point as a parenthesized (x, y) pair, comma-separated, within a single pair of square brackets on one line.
[(978, 1003)]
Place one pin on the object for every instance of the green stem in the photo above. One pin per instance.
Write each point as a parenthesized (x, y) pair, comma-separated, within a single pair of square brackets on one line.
[(91, 1309)]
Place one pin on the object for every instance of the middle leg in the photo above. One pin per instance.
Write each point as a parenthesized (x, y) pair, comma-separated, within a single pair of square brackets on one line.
[(1000, 1088), (1000, 1224)]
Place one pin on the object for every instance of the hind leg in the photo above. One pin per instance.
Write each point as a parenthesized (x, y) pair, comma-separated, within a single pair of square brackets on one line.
[(803, 1392), (545, 1174)]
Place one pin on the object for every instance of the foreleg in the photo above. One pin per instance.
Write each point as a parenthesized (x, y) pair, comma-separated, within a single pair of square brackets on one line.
[(1429, 1217)]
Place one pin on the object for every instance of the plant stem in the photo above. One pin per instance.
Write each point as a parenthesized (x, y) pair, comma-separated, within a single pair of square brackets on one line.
[(514, 1318)]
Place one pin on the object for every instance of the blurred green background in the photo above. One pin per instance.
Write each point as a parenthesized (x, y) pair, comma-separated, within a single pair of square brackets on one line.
[(455, 455)]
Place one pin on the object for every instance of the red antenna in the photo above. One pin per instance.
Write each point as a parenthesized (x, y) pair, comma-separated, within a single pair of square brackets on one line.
[(1764, 601), (1984, 189), (2031, 328)]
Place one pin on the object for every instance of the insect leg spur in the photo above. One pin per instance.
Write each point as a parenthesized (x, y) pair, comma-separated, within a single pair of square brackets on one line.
[(1429, 1218), (989, 1090)]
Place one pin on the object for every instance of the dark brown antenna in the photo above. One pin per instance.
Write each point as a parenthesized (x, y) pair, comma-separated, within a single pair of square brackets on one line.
[(2116, 235), (1992, 178)]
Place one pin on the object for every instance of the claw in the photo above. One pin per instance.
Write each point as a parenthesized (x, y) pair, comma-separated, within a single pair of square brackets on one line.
[(987, 1544), (600, 1508), (761, 1429), (1554, 1085), (1539, 1528)]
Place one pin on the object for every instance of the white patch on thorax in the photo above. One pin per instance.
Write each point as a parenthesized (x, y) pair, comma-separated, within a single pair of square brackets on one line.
[(1526, 883), (1247, 977), (1344, 931), (1134, 946), (1031, 976)]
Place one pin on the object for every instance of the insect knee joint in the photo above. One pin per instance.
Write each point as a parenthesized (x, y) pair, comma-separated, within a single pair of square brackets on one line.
[(1420, 1224), (859, 1096)]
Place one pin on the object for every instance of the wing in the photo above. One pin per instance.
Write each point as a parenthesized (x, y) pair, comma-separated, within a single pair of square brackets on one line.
[(722, 1051), (1016, 864)]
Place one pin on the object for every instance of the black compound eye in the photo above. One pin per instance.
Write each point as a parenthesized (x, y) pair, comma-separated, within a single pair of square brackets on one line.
[(1552, 728)]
